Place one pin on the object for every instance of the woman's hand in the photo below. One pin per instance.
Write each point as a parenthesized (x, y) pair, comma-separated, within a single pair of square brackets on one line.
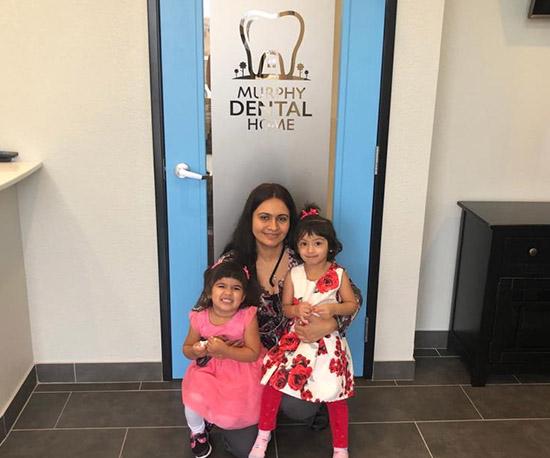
[(316, 329)]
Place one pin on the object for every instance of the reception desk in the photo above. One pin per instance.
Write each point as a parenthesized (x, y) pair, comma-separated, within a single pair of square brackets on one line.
[(16, 357)]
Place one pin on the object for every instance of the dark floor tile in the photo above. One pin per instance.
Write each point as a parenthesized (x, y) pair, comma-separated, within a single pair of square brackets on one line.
[(359, 381), (118, 372), (123, 408), (48, 373), (63, 444), (20, 399), (3, 431), (171, 443), (421, 352), (534, 378), (410, 404), (171, 385), (42, 411), (123, 386), (488, 439), (381, 441), (447, 352), (521, 401), (438, 371)]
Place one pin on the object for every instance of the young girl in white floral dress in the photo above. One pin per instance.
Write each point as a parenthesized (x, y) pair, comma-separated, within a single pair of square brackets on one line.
[(321, 371)]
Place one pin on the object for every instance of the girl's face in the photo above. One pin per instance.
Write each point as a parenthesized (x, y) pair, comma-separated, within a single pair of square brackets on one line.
[(313, 249), (227, 296), (271, 222)]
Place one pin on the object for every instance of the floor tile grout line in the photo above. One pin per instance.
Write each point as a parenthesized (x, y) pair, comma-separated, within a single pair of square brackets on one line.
[(515, 376), (94, 428), (140, 385), (123, 443), (63, 409), (423, 440), (437, 351), (19, 414), (107, 391), (472, 402)]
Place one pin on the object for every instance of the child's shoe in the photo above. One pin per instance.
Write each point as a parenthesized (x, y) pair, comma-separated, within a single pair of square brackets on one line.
[(340, 453), (259, 447), (199, 445)]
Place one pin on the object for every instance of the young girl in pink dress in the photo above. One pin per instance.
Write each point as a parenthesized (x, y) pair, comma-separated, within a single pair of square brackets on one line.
[(222, 384), (320, 371)]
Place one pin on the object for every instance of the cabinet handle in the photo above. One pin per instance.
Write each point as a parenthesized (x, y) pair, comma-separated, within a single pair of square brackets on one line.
[(533, 252)]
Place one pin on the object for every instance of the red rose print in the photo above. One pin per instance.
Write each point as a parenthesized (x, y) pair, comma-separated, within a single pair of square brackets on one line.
[(298, 377), (289, 342), (322, 348), (328, 281), (301, 359), (278, 379), (306, 395), (295, 301), (335, 366)]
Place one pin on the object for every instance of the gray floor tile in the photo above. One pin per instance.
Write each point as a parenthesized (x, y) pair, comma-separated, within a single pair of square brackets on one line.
[(438, 371), (410, 404), (42, 411), (20, 399), (364, 382), (521, 401), (171, 443), (488, 439), (49, 387), (63, 444), (421, 352), (172, 385), (447, 352), (123, 408), (534, 378), (3, 431), (380, 441)]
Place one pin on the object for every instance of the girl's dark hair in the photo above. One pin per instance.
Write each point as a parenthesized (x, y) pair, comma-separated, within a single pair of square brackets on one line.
[(311, 223), (231, 269), (243, 241)]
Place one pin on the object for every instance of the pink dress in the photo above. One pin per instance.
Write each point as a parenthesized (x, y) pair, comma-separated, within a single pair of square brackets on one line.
[(225, 392)]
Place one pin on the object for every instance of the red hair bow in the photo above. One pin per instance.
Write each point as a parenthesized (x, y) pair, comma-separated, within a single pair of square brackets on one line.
[(310, 212)]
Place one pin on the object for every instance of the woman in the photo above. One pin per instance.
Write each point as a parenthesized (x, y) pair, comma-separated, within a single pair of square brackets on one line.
[(261, 242)]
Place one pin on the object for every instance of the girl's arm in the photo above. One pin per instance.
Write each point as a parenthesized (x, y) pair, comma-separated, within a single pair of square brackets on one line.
[(347, 307), (290, 310), (247, 353), (192, 348)]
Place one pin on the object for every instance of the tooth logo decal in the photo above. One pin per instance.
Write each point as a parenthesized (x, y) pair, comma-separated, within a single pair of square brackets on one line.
[(274, 58)]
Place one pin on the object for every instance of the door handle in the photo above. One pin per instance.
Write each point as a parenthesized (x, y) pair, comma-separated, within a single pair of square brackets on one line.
[(182, 170)]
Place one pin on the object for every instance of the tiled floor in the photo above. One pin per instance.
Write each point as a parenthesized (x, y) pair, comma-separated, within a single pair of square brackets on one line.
[(438, 415)]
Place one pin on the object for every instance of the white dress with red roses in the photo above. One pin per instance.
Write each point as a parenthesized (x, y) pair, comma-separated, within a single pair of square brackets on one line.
[(318, 372)]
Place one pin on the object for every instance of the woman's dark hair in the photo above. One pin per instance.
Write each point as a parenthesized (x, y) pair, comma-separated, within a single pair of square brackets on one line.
[(231, 269), (312, 223), (243, 241)]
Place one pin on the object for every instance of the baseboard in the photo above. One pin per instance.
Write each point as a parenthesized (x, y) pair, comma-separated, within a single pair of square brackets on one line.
[(393, 370), (16, 405), (431, 339), (99, 372)]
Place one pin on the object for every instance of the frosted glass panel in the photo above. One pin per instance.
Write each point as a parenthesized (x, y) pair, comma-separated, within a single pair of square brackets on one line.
[(269, 98)]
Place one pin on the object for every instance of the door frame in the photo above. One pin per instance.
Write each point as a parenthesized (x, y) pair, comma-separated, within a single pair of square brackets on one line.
[(155, 70)]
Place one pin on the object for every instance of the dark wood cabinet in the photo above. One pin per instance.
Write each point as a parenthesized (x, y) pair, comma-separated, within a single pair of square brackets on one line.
[(500, 321)]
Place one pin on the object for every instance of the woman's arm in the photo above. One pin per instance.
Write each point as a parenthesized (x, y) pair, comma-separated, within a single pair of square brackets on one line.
[(247, 353), (347, 306), (316, 329), (343, 322), (192, 347)]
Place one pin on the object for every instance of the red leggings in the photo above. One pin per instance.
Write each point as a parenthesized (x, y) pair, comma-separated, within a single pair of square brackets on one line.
[(337, 411)]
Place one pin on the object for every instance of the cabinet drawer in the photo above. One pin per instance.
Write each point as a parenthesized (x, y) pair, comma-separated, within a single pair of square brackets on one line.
[(526, 256)]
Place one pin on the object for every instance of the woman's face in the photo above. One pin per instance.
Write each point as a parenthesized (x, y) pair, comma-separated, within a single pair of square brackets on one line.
[(271, 222)]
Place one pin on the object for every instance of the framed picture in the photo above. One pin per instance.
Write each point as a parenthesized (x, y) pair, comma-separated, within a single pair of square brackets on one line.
[(539, 8)]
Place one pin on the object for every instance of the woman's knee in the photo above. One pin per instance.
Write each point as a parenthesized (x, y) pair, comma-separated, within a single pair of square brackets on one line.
[(297, 409), (239, 442)]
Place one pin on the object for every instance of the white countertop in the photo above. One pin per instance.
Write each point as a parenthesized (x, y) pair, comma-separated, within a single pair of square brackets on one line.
[(13, 172)]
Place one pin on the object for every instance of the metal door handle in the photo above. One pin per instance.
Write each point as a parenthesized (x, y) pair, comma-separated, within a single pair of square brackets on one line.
[(182, 170)]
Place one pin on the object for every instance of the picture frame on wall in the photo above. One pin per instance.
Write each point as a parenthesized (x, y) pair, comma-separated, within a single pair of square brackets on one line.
[(539, 9)]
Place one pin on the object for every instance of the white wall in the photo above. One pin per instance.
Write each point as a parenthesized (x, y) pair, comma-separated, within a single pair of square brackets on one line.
[(417, 46), (16, 356), (74, 87), (492, 130)]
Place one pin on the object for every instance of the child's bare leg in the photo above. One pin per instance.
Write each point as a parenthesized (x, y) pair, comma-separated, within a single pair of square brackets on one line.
[(271, 400)]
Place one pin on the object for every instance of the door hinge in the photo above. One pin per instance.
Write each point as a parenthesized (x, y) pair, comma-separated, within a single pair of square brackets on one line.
[(366, 329), (377, 154)]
